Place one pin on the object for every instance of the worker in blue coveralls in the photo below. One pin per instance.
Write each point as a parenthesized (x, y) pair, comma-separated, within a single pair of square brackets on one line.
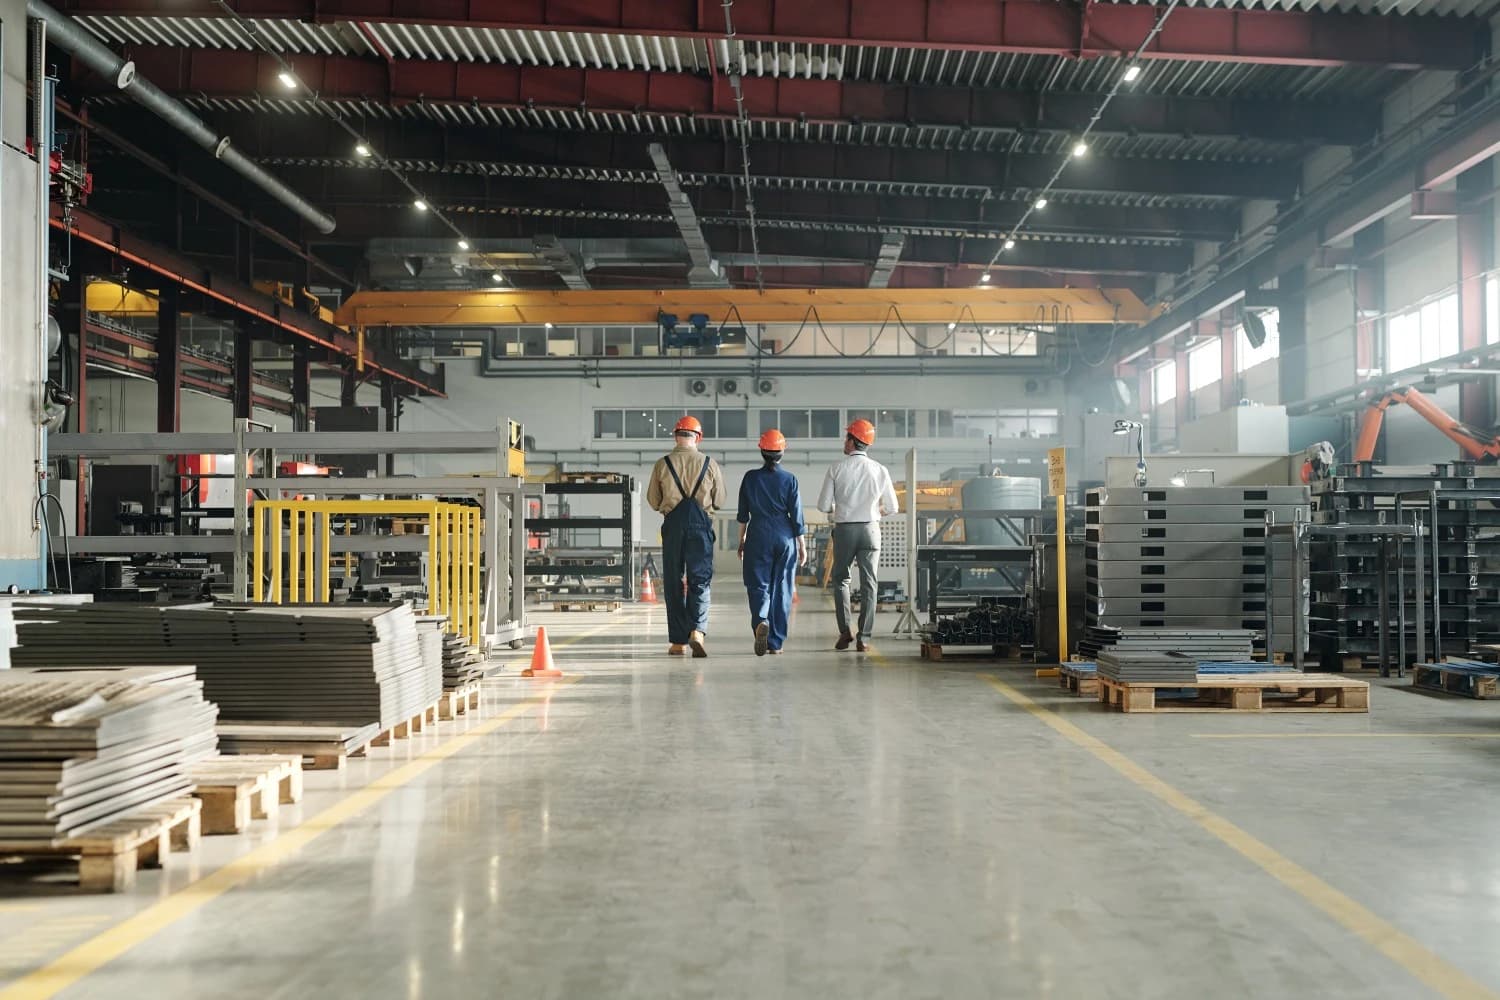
[(772, 545), (686, 488)]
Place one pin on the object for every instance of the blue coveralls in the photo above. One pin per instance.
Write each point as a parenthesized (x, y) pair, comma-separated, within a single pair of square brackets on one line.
[(687, 549), (771, 505)]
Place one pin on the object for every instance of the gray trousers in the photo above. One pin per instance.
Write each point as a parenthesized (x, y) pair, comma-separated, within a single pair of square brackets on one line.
[(851, 542)]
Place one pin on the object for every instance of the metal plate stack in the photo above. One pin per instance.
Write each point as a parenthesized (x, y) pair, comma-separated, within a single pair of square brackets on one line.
[(344, 665), (1175, 557), (1145, 667), (458, 662), (81, 748), (1344, 572), (1203, 645)]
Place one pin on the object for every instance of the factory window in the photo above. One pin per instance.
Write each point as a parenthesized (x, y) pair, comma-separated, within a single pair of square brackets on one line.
[(667, 420), (733, 424), (609, 424), (794, 423), (826, 424), (891, 423), (1247, 357), (1205, 365), (640, 423), (1492, 310), (1423, 334), (1164, 383)]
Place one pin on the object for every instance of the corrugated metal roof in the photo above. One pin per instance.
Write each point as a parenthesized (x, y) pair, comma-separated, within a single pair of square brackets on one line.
[(1453, 7), (761, 59)]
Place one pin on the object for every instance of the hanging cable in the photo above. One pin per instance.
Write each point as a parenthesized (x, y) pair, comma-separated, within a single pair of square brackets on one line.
[(1040, 198), (736, 71)]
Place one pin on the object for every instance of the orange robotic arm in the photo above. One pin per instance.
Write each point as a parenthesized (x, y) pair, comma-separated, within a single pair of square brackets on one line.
[(1474, 445)]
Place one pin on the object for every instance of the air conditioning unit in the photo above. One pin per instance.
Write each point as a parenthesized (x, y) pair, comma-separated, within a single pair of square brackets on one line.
[(698, 387), (767, 386), (729, 387)]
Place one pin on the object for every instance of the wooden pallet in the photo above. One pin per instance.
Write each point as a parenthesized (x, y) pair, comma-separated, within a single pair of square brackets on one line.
[(1454, 678), (238, 788), (1269, 692), (933, 651), (109, 856), (1085, 685), (459, 701), (322, 748), (587, 606), (405, 729)]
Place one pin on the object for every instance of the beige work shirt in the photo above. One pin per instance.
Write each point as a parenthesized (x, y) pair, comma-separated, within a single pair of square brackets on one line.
[(664, 496)]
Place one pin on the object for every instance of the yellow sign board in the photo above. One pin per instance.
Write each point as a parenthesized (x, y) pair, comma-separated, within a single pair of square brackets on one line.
[(1057, 472)]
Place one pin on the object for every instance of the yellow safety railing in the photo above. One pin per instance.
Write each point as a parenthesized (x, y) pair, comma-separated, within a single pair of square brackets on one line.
[(296, 535)]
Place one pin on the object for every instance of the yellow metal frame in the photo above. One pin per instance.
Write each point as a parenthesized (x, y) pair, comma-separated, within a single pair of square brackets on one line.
[(518, 307), (454, 550)]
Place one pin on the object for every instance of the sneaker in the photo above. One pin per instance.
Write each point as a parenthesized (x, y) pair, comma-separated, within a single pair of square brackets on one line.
[(862, 647), (775, 652), (699, 644), (677, 649), (762, 638), (846, 640)]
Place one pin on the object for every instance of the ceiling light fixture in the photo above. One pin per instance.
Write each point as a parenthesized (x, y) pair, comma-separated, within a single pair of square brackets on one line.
[(1041, 203), (287, 80), (419, 205), (463, 244), (547, 325), (1132, 73), (497, 277), (361, 150), (985, 277), (1080, 148), (1010, 244), (952, 327)]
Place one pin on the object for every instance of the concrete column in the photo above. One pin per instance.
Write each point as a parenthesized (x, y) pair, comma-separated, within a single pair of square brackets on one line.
[(1476, 258), (1369, 299), (1230, 390), (168, 362), (1291, 298)]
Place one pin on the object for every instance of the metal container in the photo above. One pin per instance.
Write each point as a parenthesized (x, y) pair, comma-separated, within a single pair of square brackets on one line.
[(998, 493)]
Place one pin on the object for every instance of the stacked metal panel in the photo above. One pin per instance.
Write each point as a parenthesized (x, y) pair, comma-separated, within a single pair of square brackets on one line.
[(344, 665), (1148, 667), (81, 748), (1344, 573), (1185, 557), (457, 661), (1203, 645)]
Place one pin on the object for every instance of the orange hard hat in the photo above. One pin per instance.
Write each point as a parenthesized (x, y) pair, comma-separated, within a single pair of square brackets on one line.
[(773, 440), (862, 431), (689, 424)]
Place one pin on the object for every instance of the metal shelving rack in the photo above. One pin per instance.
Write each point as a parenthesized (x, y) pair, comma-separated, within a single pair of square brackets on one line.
[(625, 568)]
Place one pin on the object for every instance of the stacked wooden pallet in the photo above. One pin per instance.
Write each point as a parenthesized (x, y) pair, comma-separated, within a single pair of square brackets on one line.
[(81, 749)]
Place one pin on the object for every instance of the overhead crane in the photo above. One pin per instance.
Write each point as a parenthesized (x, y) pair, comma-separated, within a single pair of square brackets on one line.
[(603, 307)]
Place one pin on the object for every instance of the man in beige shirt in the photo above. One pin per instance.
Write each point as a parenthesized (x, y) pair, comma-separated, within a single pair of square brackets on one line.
[(686, 488)]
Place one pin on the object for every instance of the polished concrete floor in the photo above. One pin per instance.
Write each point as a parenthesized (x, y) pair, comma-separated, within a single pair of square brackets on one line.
[(828, 825)]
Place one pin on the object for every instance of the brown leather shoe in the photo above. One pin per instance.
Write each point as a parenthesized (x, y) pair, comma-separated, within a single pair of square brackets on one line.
[(677, 649), (846, 640), (762, 638), (699, 644), (861, 647)]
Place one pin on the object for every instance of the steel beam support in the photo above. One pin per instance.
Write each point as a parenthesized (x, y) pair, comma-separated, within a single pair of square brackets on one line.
[(1201, 34), (388, 404), (168, 361), (1476, 259), (301, 387), (1292, 365), (348, 386), (891, 245), (242, 397), (216, 73)]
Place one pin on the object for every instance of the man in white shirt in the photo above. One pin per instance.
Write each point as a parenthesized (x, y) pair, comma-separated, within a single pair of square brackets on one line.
[(858, 493)]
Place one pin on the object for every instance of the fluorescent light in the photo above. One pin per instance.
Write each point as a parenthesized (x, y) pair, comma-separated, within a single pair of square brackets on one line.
[(1132, 73), (463, 244), (985, 277), (419, 205), (952, 327), (496, 277), (1010, 244), (547, 325), (287, 80), (361, 150), (1041, 203), (1080, 148)]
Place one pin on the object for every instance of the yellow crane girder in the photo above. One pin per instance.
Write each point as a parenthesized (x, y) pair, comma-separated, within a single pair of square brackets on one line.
[(734, 306)]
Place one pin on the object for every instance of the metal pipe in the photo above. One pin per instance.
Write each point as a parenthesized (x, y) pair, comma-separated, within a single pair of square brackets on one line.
[(78, 41)]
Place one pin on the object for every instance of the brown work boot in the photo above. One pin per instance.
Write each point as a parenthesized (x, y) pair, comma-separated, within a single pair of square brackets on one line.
[(677, 649), (862, 647), (762, 638), (846, 639), (699, 644)]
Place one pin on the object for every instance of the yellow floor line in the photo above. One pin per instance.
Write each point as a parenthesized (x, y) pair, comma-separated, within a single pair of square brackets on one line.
[(91, 955), (1395, 944)]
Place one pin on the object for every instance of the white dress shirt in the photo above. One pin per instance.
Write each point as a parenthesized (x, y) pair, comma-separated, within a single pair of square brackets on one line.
[(857, 489)]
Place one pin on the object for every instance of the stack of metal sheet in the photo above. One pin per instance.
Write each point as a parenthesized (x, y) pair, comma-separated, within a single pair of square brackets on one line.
[(1204, 645), (81, 748), (1344, 573), (458, 662), (338, 665), (1173, 557), (1143, 666)]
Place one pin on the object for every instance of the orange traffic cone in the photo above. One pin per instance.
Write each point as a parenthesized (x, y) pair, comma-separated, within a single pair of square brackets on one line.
[(648, 589), (541, 658)]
